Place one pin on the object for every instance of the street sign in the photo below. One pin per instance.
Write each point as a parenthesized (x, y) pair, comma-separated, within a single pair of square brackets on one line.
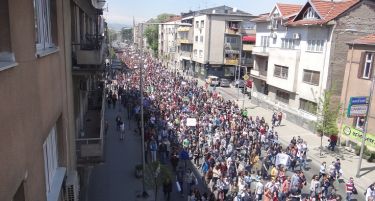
[(246, 77), (357, 106)]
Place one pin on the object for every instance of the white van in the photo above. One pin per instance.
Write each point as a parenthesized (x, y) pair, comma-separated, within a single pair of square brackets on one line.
[(212, 80)]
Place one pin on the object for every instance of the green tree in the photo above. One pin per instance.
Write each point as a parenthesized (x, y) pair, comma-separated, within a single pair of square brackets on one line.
[(151, 32), (112, 35), (328, 113), (155, 175), (127, 34)]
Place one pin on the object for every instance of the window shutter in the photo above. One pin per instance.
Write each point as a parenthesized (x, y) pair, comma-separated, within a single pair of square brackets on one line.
[(361, 64), (372, 65)]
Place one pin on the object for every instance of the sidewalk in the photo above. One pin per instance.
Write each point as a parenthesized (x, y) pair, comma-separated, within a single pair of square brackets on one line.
[(287, 130)]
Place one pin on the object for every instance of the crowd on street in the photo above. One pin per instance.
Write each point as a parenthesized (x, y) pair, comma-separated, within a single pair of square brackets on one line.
[(238, 154)]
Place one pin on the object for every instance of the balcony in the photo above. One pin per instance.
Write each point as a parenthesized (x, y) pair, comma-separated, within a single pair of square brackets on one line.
[(89, 144), (186, 55), (261, 51), (184, 41), (183, 29), (233, 62), (247, 47), (260, 74), (91, 52)]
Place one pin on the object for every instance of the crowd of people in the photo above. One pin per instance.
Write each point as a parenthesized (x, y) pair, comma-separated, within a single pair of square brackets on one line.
[(238, 155)]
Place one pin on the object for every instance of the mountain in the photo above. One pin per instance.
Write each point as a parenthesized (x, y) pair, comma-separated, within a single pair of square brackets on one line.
[(117, 26)]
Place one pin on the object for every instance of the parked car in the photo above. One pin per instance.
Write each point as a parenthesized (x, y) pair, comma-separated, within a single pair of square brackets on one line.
[(224, 82), (212, 80), (239, 83)]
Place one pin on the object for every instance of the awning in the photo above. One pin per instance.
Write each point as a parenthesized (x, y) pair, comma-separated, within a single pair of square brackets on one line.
[(232, 51), (248, 38)]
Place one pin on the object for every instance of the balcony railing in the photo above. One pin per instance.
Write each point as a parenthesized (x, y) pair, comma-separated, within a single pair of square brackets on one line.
[(231, 61), (260, 74), (247, 47), (89, 146), (260, 50), (91, 52), (184, 41)]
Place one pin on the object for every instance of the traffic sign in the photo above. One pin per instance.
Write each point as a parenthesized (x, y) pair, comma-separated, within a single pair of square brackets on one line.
[(358, 106), (246, 77)]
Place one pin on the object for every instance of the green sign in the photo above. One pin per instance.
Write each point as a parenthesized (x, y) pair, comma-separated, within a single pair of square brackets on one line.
[(356, 135)]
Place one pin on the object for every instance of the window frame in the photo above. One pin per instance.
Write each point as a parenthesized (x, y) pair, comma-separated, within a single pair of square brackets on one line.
[(303, 103), (202, 23), (311, 76), (282, 71), (370, 63), (314, 45), (50, 153), (43, 24), (280, 96)]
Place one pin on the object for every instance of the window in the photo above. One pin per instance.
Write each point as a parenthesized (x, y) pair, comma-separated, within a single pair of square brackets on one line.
[(282, 96), (196, 38), (308, 106), (359, 123), (50, 157), (287, 43), (201, 39), (6, 55), (202, 24), (365, 70), (281, 72), (196, 24), (195, 53), (310, 14), (200, 53), (275, 23), (311, 77), (232, 40), (265, 41), (315, 45), (43, 23)]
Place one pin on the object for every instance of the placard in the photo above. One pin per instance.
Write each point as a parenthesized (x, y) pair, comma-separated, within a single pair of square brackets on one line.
[(191, 122)]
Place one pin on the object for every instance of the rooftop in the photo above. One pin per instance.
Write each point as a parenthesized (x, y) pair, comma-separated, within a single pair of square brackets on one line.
[(365, 40)]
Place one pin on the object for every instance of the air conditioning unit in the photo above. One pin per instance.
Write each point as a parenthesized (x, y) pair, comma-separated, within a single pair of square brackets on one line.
[(297, 36), (72, 187), (273, 35), (269, 27)]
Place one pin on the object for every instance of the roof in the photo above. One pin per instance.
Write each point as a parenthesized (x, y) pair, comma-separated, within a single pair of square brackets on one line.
[(261, 18), (173, 18), (365, 40), (221, 10), (327, 11), (288, 9)]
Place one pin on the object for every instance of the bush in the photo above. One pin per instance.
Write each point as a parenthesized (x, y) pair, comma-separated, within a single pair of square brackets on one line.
[(372, 157), (357, 150), (343, 143)]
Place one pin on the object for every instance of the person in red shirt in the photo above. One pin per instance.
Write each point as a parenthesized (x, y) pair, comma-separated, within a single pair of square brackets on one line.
[(332, 142), (350, 189)]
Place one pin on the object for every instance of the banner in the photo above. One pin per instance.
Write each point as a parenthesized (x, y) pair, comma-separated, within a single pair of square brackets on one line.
[(282, 159), (356, 135), (191, 122)]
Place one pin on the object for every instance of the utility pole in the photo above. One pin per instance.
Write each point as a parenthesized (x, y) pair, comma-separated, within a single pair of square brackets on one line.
[(144, 193), (365, 130)]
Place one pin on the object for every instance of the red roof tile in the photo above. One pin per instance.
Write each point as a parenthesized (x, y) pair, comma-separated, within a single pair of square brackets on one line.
[(261, 18), (173, 18), (327, 10), (367, 40), (288, 9)]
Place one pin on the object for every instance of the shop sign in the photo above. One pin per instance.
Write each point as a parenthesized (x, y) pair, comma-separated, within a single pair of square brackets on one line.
[(357, 106), (356, 135)]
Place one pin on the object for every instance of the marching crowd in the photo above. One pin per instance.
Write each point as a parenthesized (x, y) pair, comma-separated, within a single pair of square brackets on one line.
[(238, 154)]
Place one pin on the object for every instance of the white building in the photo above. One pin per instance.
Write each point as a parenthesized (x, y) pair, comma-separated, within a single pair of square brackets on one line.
[(292, 57), (168, 42)]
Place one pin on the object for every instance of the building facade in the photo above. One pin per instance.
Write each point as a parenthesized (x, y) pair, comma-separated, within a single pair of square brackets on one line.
[(39, 56), (167, 42), (310, 39), (359, 72)]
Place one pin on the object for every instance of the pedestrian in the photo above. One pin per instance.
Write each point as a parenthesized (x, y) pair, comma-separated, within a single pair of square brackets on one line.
[(370, 192), (259, 189), (122, 130), (315, 189), (153, 149), (180, 180), (322, 170), (279, 118), (167, 188), (350, 189)]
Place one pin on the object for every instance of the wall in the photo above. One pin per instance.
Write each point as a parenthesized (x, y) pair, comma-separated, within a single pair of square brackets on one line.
[(358, 21), (34, 97)]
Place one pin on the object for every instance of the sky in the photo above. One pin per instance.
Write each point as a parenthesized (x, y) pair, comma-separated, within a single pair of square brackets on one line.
[(123, 11)]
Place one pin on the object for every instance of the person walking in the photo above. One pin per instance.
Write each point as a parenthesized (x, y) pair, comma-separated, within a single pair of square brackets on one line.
[(259, 189), (167, 188), (153, 149), (122, 130), (350, 189)]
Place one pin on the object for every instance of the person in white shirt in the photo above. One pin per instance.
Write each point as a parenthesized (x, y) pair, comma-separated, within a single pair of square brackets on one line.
[(370, 193), (322, 170), (259, 189)]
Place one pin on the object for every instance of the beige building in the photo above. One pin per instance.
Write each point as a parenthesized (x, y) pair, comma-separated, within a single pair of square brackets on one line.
[(39, 109), (359, 71)]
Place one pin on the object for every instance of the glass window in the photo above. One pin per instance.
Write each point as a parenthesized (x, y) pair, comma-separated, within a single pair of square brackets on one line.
[(202, 24), (43, 32), (367, 68), (50, 157), (282, 96), (281, 72), (311, 77), (201, 39), (308, 106)]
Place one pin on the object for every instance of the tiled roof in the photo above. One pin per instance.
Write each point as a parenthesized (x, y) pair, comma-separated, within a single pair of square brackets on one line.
[(173, 18), (366, 40), (261, 18), (327, 10), (288, 9)]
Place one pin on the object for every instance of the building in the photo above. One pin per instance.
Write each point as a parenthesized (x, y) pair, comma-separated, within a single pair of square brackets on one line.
[(359, 72), (297, 54), (185, 34), (167, 42), (37, 129), (49, 51)]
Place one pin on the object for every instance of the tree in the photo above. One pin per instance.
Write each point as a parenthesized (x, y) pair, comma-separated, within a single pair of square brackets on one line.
[(151, 32), (112, 35), (127, 34), (155, 175), (328, 113)]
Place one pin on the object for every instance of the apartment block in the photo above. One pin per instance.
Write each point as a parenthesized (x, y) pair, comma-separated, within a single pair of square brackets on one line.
[(298, 49)]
